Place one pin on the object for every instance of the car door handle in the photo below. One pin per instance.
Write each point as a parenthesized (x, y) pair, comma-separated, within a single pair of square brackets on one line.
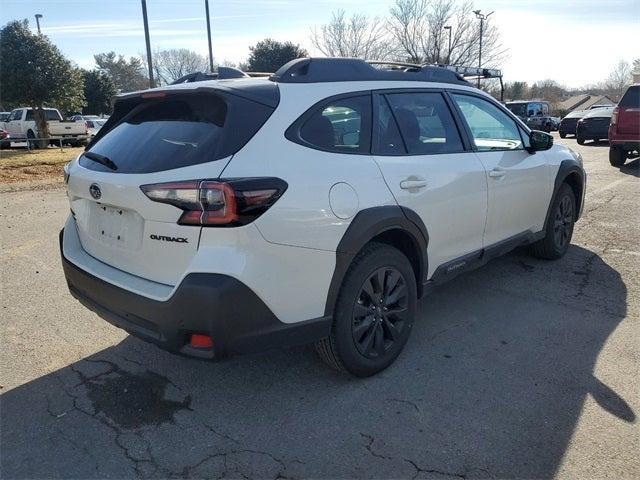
[(413, 183), (497, 173)]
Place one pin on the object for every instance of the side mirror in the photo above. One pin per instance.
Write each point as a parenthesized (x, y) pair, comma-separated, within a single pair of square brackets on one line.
[(540, 141)]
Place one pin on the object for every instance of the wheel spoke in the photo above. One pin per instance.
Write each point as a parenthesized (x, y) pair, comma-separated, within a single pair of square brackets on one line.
[(379, 340), (392, 281), (367, 289), (398, 293), (367, 343), (391, 329), (360, 310), (360, 329)]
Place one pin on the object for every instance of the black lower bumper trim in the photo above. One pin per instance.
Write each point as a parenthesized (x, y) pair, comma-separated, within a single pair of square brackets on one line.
[(213, 304)]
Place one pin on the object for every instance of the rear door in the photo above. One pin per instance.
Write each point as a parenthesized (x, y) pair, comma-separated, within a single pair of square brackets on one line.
[(183, 137), (422, 157), (519, 185)]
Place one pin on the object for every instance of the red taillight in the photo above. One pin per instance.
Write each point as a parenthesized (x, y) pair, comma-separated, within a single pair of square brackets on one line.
[(198, 340), (230, 202), (614, 116)]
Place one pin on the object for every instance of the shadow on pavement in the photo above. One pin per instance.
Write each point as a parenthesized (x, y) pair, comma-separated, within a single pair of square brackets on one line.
[(491, 384), (631, 167)]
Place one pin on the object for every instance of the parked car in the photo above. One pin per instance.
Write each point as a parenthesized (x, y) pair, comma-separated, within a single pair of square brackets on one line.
[(624, 131), (221, 217), (21, 125), (569, 123), (534, 113), (594, 125), (3, 118), (555, 123), (5, 139), (93, 126)]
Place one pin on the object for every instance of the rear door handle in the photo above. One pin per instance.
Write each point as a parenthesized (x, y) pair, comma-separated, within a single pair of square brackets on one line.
[(411, 184), (497, 173)]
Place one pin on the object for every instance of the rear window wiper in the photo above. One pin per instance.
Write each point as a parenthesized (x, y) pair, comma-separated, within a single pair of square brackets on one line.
[(101, 159)]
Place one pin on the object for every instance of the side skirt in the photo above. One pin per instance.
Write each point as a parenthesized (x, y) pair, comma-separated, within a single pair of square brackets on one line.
[(450, 270)]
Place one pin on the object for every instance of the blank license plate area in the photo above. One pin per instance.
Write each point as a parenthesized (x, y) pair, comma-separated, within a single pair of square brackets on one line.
[(114, 226)]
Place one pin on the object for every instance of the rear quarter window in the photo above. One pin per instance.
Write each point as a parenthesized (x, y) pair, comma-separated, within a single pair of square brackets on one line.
[(179, 131), (631, 98)]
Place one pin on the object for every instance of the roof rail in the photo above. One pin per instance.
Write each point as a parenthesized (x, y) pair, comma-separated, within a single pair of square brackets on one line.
[(314, 70), (221, 74)]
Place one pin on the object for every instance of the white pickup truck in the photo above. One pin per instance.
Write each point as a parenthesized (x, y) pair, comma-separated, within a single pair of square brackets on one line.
[(21, 125)]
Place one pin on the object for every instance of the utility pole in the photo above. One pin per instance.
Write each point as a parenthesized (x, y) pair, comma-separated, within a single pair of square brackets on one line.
[(482, 17), (448, 27), (206, 7), (38, 17), (152, 83)]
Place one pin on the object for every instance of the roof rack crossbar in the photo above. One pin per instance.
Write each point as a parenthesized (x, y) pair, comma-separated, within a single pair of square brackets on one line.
[(222, 73), (316, 70)]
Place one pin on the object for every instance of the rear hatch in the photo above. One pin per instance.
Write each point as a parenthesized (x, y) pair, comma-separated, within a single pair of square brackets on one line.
[(155, 138), (628, 118)]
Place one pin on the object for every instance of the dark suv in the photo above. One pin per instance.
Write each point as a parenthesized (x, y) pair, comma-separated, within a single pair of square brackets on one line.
[(624, 130)]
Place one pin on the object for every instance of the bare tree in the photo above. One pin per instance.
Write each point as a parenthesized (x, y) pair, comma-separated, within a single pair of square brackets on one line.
[(417, 29), (619, 78), (357, 36), (170, 65)]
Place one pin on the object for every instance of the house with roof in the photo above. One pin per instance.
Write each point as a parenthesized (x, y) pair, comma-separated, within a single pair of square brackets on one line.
[(583, 102)]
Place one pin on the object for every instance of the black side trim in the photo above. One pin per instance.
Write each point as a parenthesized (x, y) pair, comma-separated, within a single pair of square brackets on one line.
[(217, 305), (567, 168), (366, 225), (473, 260)]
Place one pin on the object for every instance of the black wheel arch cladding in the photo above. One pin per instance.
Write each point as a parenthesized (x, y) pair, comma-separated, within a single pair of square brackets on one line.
[(571, 173), (385, 223)]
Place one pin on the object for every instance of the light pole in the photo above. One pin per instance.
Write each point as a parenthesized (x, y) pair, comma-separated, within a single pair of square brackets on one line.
[(206, 7), (448, 27), (38, 17), (482, 17), (146, 38)]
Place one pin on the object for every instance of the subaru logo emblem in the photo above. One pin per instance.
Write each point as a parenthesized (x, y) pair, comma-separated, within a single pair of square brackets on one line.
[(95, 192)]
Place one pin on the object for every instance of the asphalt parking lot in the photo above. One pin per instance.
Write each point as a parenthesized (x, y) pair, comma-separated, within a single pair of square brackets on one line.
[(522, 369)]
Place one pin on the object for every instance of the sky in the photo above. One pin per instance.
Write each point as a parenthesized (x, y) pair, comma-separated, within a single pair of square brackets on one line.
[(576, 42)]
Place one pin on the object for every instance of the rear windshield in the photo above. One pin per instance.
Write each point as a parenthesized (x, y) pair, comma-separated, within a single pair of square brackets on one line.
[(49, 114), (179, 131), (631, 99)]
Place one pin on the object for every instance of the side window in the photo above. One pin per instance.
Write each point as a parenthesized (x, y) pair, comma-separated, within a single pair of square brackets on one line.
[(16, 115), (388, 139), (29, 116), (342, 125), (425, 123), (491, 128)]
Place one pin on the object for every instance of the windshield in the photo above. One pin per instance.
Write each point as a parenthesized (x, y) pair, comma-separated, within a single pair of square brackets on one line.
[(178, 131)]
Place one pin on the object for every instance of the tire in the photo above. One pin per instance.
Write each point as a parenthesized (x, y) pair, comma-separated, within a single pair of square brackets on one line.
[(371, 325), (563, 135), (35, 144), (617, 156), (559, 226), (580, 140)]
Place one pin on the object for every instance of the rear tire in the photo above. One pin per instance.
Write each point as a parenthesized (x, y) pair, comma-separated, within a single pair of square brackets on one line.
[(580, 140), (559, 228), (562, 135), (617, 156), (374, 312)]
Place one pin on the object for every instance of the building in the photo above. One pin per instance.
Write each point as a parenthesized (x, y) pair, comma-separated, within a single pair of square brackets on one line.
[(583, 102)]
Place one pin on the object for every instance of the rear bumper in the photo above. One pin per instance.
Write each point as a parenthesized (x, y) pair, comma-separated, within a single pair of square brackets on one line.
[(591, 132), (206, 303)]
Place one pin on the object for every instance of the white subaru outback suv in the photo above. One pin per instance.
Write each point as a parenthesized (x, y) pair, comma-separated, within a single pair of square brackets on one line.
[(318, 205)]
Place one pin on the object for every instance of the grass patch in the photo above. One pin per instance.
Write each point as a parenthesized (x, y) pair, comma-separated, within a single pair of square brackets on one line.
[(39, 166)]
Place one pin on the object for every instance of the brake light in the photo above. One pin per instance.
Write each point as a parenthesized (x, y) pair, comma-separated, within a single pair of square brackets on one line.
[(224, 203), (614, 116)]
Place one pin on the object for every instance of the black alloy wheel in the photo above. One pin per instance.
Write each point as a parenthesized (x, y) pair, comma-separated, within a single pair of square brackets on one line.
[(563, 222), (380, 312)]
